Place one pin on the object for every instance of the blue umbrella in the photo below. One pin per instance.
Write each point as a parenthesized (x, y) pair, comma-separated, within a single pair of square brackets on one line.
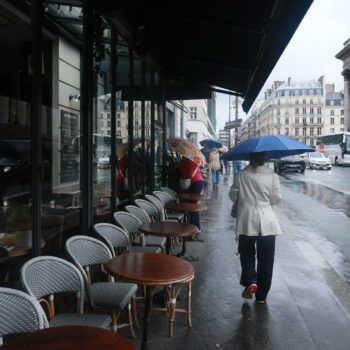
[(211, 143), (276, 146)]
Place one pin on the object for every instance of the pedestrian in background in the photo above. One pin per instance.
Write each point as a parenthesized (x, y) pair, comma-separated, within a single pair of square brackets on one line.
[(256, 189), (214, 165), (191, 181)]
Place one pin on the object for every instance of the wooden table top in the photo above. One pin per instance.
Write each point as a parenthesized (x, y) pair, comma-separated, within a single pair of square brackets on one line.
[(193, 196), (169, 229), (150, 268), (186, 207), (69, 338)]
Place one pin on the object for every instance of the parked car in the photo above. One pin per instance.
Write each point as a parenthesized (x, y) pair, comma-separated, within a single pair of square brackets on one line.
[(290, 163), (318, 160), (104, 162)]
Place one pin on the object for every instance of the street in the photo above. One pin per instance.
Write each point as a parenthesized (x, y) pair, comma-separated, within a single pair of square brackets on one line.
[(309, 303)]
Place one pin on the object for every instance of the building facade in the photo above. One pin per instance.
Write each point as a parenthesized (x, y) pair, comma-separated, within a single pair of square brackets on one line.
[(198, 121), (344, 55)]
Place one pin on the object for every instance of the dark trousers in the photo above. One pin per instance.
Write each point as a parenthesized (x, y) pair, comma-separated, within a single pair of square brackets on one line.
[(264, 248), (193, 218)]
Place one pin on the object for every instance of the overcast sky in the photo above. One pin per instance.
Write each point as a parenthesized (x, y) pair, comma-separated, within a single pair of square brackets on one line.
[(310, 53)]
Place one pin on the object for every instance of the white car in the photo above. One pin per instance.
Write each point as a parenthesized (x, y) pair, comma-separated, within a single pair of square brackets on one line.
[(317, 160), (103, 162)]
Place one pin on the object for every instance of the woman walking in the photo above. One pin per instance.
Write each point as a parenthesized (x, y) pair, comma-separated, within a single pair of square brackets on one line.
[(257, 190), (214, 165)]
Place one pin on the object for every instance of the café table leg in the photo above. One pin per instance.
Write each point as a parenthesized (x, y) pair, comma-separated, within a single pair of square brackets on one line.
[(146, 320), (184, 254), (168, 245)]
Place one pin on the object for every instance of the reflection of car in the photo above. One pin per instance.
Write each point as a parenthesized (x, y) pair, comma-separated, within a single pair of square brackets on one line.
[(317, 160), (290, 163), (15, 164), (104, 162)]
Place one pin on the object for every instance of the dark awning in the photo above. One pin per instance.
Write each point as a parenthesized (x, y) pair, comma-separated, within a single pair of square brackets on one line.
[(233, 45)]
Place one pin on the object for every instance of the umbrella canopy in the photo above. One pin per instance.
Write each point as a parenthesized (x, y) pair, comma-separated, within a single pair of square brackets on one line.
[(187, 149), (276, 146), (210, 143)]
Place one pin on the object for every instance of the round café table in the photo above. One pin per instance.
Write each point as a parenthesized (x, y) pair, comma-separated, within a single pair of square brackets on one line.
[(186, 208), (69, 338), (169, 229), (193, 196), (152, 269)]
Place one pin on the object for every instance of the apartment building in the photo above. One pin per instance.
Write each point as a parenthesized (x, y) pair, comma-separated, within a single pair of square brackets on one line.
[(294, 109)]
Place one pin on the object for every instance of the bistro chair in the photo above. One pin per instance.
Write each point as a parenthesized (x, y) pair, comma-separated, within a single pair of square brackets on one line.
[(44, 276), (160, 206), (149, 208), (131, 224), (19, 313), (144, 218), (86, 252), (170, 192), (118, 240)]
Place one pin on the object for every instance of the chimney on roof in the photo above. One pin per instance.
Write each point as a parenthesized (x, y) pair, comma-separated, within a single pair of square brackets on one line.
[(330, 88), (289, 80), (321, 80)]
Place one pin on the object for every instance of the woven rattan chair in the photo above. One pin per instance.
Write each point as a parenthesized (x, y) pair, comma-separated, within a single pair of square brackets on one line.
[(45, 276), (118, 240), (149, 208), (144, 218), (19, 312), (131, 224), (170, 192), (160, 206), (112, 296)]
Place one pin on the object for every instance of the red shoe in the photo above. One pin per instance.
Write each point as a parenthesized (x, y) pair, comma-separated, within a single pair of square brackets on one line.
[(249, 291)]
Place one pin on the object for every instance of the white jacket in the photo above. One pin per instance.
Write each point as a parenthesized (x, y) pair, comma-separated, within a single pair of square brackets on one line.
[(257, 190), (214, 161)]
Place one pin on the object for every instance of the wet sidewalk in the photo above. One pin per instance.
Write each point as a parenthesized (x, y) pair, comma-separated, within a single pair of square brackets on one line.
[(302, 311)]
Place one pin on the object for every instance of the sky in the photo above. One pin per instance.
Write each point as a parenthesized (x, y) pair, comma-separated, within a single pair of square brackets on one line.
[(309, 54)]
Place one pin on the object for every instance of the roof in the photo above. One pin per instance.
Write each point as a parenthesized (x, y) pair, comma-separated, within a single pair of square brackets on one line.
[(233, 45), (334, 96)]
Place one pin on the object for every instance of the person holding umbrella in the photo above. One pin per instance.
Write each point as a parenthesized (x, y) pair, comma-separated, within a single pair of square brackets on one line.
[(256, 190), (191, 179)]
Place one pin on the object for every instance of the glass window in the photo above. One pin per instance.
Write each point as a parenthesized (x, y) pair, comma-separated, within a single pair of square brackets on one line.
[(342, 112), (296, 131), (311, 120), (332, 121), (297, 120), (319, 131), (319, 120), (332, 111), (332, 130), (286, 121), (304, 101), (341, 120), (304, 110), (319, 110), (286, 131), (311, 110), (296, 110), (311, 131)]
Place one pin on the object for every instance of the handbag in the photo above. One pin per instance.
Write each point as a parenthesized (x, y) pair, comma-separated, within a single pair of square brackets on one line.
[(234, 209)]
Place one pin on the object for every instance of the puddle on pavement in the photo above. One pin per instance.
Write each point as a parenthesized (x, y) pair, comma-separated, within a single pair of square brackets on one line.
[(331, 198)]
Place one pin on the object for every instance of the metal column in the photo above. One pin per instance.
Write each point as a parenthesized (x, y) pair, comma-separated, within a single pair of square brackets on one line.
[(114, 62), (164, 139), (143, 148), (153, 158), (87, 89), (131, 126), (36, 22)]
